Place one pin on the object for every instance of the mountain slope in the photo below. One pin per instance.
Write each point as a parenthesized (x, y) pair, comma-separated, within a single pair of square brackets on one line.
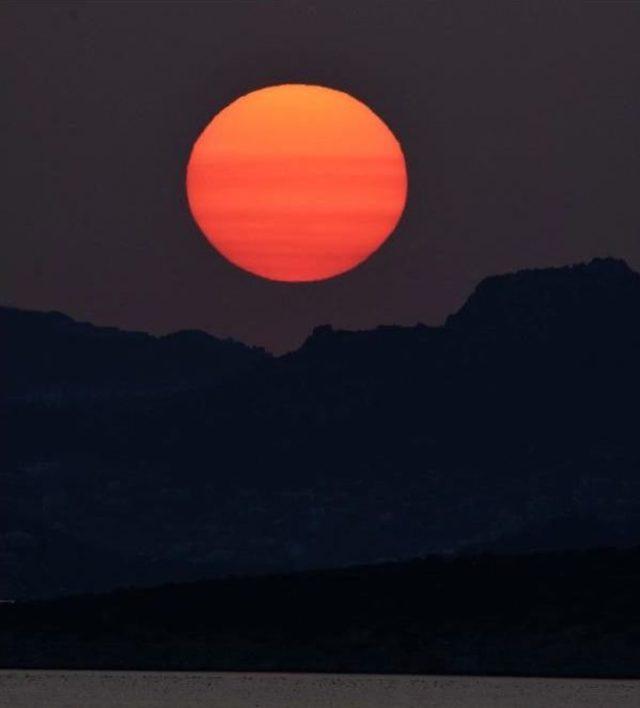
[(553, 614), (515, 420), (51, 356)]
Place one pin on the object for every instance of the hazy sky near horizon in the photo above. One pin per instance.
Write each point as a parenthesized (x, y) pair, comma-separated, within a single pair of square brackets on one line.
[(520, 123)]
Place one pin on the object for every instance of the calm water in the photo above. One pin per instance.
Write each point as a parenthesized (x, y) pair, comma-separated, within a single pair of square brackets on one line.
[(98, 689)]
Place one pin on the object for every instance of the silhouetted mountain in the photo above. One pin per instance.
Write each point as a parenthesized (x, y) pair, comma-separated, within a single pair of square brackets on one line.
[(586, 299), (49, 355), (564, 614), (515, 419)]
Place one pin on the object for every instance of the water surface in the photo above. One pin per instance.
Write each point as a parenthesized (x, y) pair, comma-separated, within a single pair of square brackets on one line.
[(111, 689)]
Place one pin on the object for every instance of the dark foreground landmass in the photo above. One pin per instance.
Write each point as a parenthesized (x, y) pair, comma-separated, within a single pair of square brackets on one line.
[(554, 614)]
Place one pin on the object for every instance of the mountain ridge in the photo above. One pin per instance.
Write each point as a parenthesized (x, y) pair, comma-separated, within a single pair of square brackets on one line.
[(360, 446)]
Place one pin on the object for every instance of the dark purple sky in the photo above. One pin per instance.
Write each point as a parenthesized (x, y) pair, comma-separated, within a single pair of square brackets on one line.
[(520, 122)]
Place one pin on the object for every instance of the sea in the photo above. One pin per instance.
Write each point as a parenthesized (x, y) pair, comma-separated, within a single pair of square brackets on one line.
[(133, 689)]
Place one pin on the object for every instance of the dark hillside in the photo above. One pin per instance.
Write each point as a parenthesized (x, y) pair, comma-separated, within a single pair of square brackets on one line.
[(563, 614)]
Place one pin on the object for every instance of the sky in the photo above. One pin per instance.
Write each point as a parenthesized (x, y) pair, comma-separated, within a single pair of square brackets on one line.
[(520, 124)]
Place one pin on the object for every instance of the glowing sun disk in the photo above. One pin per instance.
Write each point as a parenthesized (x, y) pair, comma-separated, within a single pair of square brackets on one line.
[(296, 182)]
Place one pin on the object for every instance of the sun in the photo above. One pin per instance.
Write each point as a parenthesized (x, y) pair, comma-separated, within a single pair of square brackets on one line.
[(296, 182)]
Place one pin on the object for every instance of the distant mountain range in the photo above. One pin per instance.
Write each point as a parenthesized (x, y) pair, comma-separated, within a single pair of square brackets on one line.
[(135, 459)]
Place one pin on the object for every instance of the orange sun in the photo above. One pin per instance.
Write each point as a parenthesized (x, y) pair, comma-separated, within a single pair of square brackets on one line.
[(296, 182)]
